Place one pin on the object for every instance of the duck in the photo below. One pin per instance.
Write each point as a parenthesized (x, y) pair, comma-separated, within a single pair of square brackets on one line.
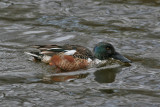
[(69, 57)]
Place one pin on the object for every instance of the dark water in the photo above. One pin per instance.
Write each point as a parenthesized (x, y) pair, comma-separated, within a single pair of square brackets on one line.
[(132, 26)]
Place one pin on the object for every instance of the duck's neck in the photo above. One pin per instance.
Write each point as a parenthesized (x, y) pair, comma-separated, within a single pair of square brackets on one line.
[(101, 56)]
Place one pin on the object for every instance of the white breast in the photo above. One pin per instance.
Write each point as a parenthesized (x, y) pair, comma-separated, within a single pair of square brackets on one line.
[(97, 62), (46, 59)]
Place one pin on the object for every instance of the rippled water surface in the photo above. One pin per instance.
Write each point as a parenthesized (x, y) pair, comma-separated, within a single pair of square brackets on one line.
[(132, 26)]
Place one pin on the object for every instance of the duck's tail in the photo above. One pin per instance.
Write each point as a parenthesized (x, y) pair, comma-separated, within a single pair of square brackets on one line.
[(35, 55), (39, 57)]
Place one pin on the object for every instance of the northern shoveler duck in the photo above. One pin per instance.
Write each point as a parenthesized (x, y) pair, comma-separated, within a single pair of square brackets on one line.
[(75, 57)]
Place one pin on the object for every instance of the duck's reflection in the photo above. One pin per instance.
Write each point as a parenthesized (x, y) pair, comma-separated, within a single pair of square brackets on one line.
[(106, 75), (64, 77), (102, 76)]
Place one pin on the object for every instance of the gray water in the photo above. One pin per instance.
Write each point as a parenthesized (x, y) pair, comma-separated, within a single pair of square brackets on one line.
[(132, 26)]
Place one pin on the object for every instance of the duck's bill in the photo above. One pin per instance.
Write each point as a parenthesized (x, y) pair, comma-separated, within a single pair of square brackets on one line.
[(120, 57)]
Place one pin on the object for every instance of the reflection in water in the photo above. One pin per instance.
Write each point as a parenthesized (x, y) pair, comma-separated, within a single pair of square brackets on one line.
[(108, 91), (61, 77), (106, 75)]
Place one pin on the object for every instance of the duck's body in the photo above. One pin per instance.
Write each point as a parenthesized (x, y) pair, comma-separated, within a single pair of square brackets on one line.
[(75, 57)]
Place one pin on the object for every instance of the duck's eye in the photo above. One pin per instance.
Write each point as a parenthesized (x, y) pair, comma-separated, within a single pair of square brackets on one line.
[(107, 48)]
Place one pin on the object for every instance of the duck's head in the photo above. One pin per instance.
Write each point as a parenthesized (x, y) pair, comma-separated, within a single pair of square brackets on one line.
[(104, 51)]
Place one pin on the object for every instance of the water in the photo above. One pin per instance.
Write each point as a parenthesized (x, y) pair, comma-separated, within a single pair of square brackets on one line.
[(132, 26)]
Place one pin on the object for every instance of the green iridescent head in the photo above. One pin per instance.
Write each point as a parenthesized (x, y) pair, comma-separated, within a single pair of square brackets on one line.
[(105, 50)]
